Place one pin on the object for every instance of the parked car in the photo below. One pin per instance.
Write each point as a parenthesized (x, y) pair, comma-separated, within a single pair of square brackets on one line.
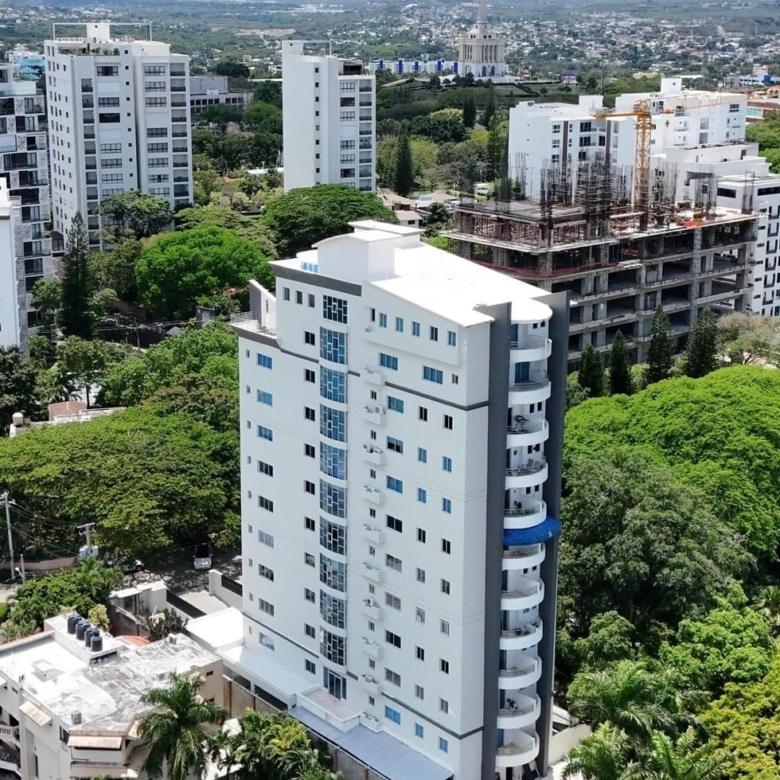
[(201, 560), (126, 565)]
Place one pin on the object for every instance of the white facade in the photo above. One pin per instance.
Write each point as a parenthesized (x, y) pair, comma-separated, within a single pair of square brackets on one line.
[(760, 194), (481, 52), (24, 165), (10, 223), (329, 121), (395, 406), (119, 120)]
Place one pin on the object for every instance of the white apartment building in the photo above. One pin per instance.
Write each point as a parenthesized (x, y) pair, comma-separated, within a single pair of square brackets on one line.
[(762, 195), (402, 413), (119, 120), (329, 120), (10, 223), (210, 90), (71, 699), (24, 165)]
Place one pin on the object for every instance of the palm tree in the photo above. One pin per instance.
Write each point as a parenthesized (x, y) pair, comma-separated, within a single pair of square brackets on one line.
[(175, 730), (768, 605), (666, 760), (604, 755)]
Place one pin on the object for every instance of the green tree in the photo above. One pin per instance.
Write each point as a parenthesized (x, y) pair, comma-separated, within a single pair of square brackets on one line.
[(251, 228), (660, 351), (115, 269), (47, 301), (490, 108), (701, 351), (232, 69), (610, 638), (469, 110), (98, 616), (135, 215), (180, 267), (300, 218), (18, 387), (84, 364), (749, 338), (639, 542), (443, 126), (176, 730), (768, 605), (403, 181), (264, 148), (228, 153), (619, 367), (262, 117), (603, 755), (667, 760), (590, 373), (207, 183), (221, 115), (77, 282)]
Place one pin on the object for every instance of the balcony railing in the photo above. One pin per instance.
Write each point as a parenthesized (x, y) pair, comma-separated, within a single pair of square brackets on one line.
[(532, 467)]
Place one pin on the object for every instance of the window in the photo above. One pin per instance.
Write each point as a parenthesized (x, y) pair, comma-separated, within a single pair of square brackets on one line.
[(434, 333), (108, 70), (155, 148), (309, 451), (265, 433), (422, 495), (444, 627), (419, 652), (444, 666), (419, 692), (308, 559), (445, 587), (446, 463), (333, 346), (309, 595), (333, 499), (286, 293), (422, 535), (156, 102), (419, 616), (395, 524), (395, 445), (393, 639), (264, 571), (443, 744), (309, 524), (333, 385), (388, 361), (265, 503), (420, 575), (333, 423), (333, 537), (156, 132), (447, 422), (309, 375), (399, 324), (265, 538), (422, 455), (265, 606), (419, 731), (444, 706), (451, 338), (446, 506), (333, 610), (298, 296), (308, 338), (264, 361), (310, 666), (333, 574), (308, 487), (333, 461), (393, 601), (393, 715), (395, 404), (309, 630), (393, 563), (393, 677), (264, 397), (309, 413), (382, 320), (415, 328), (433, 375), (422, 414), (265, 468), (446, 546), (395, 484)]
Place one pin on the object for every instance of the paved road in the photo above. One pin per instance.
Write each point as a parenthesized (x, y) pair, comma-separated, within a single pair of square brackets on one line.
[(180, 577)]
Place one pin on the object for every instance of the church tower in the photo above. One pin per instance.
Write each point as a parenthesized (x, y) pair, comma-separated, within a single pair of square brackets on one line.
[(481, 50)]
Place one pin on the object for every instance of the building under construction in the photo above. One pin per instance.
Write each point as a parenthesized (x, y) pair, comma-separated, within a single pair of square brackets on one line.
[(620, 256)]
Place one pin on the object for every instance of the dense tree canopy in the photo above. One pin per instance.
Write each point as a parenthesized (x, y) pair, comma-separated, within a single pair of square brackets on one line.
[(302, 217), (181, 267), (18, 392), (135, 214), (245, 226)]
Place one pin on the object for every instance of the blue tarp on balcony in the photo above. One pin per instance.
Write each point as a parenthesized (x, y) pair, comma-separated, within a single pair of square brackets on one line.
[(546, 530)]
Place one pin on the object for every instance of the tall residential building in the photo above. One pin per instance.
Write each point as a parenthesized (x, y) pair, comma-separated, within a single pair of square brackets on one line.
[(10, 221), (329, 112), (24, 166), (481, 51), (119, 120), (401, 447), (760, 194)]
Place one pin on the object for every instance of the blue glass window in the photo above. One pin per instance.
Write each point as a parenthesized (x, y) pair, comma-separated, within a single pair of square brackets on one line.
[(393, 715), (395, 484), (399, 324), (264, 397), (333, 385), (395, 445), (446, 505), (333, 537), (333, 461), (266, 361), (333, 346), (333, 610), (265, 433), (333, 499), (451, 338), (334, 309), (422, 455), (333, 423), (422, 495), (382, 320), (446, 463), (415, 329), (443, 745), (388, 361), (395, 404), (419, 731), (333, 574), (433, 375)]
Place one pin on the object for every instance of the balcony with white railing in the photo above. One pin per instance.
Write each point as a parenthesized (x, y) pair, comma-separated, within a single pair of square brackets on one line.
[(373, 495), (373, 534), (522, 593), (373, 454), (523, 557), (371, 608), (529, 391), (527, 474), (529, 350), (518, 711), (524, 431), (374, 413), (521, 512), (518, 749), (520, 672), (521, 638)]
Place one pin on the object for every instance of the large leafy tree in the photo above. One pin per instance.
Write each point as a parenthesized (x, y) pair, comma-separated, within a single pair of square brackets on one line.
[(176, 730), (18, 386), (666, 759), (181, 267), (701, 352), (750, 338), (135, 214), (590, 374), (77, 282), (262, 117), (302, 217), (619, 367), (403, 181), (245, 226), (660, 351), (116, 269), (602, 755), (640, 542)]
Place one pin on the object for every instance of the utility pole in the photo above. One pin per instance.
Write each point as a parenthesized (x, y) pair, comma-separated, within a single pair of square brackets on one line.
[(10, 537), (87, 551)]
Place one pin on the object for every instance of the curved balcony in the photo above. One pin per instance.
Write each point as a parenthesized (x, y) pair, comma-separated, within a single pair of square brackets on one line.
[(521, 749), (525, 516), (526, 593), (519, 711), (525, 557), (523, 674), (373, 455), (371, 609), (521, 638), (529, 392), (527, 350), (534, 472), (524, 432)]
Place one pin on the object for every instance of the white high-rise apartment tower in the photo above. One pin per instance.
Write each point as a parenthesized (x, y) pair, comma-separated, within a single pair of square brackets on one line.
[(329, 120), (402, 413), (119, 120), (10, 223)]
